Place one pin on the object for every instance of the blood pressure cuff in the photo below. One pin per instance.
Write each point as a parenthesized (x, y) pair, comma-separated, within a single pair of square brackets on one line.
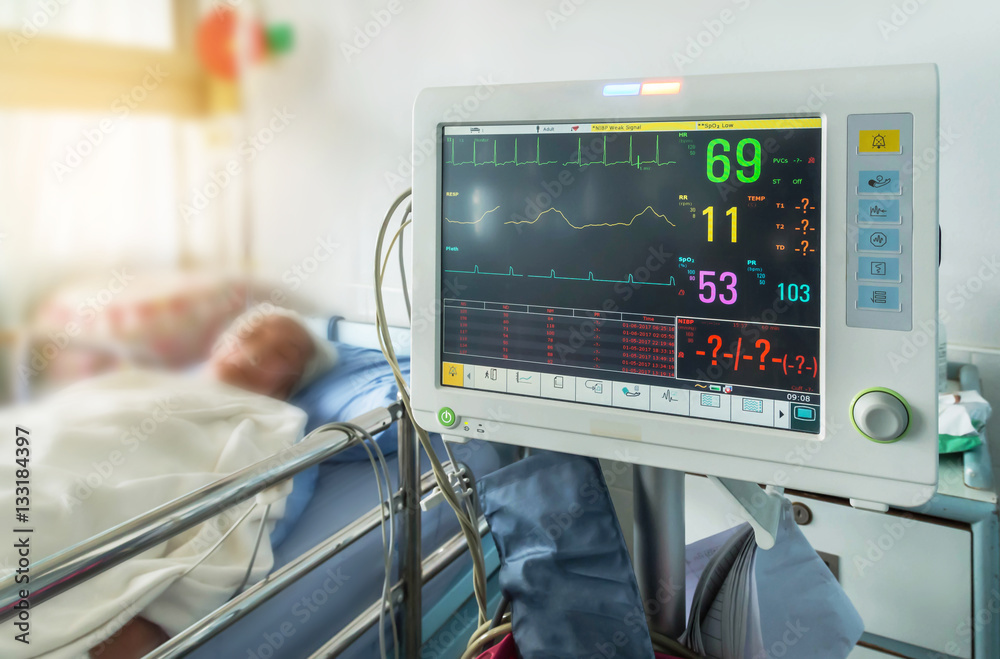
[(564, 563)]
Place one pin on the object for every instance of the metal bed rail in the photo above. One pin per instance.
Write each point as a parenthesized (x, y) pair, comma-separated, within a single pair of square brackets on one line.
[(432, 566), (60, 572)]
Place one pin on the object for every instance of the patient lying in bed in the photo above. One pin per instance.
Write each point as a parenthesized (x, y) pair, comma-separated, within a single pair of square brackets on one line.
[(268, 351), (109, 449)]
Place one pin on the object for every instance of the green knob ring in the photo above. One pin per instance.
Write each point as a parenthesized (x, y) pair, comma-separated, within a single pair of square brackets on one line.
[(897, 396)]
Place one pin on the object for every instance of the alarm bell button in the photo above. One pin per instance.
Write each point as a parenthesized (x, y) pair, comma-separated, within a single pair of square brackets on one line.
[(880, 416)]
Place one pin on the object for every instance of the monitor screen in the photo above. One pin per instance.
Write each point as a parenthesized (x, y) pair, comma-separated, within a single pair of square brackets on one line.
[(671, 267)]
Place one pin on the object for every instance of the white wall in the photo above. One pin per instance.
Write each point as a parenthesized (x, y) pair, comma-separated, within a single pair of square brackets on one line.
[(327, 172)]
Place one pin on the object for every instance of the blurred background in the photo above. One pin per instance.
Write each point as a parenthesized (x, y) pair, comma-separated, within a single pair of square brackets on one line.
[(162, 162)]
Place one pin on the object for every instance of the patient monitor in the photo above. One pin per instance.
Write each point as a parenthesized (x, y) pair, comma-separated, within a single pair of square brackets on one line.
[(731, 275)]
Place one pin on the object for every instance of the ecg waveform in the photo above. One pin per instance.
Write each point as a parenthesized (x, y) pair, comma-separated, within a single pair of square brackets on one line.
[(594, 224), (633, 160)]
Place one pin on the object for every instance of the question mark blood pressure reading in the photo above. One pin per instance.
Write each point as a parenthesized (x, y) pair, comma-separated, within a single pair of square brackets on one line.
[(730, 345), (763, 354), (716, 340)]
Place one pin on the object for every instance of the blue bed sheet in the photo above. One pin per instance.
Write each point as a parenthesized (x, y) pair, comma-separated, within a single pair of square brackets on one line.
[(305, 615)]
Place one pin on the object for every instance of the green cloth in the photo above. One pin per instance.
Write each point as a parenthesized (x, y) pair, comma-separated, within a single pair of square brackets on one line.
[(956, 444)]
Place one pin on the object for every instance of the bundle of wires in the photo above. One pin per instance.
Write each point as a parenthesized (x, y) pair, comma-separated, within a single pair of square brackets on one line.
[(462, 506), (489, 631), (387, 506)]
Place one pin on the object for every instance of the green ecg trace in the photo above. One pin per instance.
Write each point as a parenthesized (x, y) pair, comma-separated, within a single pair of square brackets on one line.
[(633, 161), (476, 271), (494, 162)]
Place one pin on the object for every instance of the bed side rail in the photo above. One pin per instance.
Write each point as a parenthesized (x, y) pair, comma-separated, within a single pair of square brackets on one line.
[(59, 572)]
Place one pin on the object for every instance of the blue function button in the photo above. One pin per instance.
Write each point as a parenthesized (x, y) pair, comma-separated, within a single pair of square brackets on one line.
[(878, 268), (804, 417), (804, 413), (878, 240), (878, 181), (878, 210), (883, 298)]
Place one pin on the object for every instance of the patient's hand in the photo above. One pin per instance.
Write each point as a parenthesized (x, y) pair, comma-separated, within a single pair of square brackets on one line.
[(137, 638)]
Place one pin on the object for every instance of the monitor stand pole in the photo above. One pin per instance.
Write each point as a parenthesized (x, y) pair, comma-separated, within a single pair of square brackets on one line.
[(658, 548)]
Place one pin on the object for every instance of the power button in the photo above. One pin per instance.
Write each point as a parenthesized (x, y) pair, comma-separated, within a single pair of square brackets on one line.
[(447, 417)]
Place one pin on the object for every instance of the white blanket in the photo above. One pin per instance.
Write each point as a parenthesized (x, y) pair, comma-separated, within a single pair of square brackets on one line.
[(109, 449)]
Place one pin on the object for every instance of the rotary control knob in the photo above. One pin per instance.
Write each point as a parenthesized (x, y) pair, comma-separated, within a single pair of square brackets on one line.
[(880, 415)]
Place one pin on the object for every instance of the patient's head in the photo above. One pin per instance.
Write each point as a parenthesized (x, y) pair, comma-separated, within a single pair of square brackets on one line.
[(268, 351)]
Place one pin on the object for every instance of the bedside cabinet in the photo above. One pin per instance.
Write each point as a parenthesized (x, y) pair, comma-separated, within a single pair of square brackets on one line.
[(924, 580)]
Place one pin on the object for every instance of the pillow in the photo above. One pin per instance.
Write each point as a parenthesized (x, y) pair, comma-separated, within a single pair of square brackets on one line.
[(361, 381)]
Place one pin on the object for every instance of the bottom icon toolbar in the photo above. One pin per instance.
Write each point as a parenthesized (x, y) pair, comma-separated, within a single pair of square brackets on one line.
[(719, 403)]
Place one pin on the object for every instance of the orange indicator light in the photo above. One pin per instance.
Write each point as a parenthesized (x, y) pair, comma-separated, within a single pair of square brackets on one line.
[(650, 88)]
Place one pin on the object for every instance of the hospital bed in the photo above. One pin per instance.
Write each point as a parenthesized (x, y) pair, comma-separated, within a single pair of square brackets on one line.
[(322, 597)]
